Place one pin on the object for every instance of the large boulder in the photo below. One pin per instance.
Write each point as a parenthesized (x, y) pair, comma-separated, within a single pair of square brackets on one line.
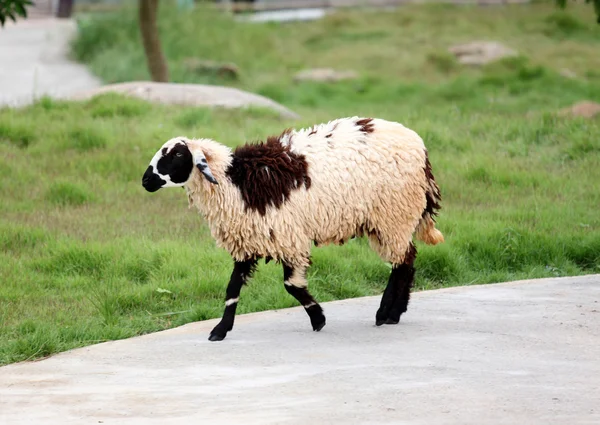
[(585, 109), (188, 94), (478, 53)]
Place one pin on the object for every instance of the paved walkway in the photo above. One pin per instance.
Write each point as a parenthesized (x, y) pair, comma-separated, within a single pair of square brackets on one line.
[(519, 353), (33, 61)]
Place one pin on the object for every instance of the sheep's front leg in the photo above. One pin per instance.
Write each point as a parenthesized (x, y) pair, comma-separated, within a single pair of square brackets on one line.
[(242, 271), (296, 285)]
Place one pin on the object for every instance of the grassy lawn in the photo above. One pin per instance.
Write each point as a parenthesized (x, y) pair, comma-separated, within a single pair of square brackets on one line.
[(86, 255)]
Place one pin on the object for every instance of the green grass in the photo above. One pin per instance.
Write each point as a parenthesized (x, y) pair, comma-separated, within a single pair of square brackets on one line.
[(86, 255)]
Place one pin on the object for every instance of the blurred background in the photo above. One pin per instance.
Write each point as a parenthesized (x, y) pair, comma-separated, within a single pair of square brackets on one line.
[(505, 95)]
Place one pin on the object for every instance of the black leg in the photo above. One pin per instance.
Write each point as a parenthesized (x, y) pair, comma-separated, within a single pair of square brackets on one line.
[(396, 296), (242, 271), (295, 284), (405, 276), (387, 300)]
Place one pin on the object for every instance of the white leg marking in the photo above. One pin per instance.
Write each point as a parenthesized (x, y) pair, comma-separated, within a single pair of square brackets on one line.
[(231, 301), (297, 279), (309, 305)]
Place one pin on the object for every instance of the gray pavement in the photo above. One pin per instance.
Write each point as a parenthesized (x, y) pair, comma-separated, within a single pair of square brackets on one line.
[(34, 62), (519, 353)]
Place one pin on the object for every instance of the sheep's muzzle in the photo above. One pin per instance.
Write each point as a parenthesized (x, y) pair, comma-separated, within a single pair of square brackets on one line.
[(151, 181)]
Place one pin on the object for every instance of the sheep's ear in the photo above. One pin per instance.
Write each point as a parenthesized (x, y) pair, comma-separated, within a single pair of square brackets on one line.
[(202, 164)]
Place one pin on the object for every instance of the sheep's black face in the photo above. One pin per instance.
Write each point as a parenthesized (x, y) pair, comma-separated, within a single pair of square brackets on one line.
[(152, 182), (170, 167)]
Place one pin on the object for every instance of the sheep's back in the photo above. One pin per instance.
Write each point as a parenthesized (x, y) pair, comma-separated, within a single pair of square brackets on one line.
[(364, 173)]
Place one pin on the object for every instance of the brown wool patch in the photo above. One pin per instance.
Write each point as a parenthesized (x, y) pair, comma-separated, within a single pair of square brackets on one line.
[(433, 197), (411, 254), (366, 125), (266, 173)]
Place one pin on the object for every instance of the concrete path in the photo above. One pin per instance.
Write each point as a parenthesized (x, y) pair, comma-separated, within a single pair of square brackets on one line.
[(518, 353), (34, 62)]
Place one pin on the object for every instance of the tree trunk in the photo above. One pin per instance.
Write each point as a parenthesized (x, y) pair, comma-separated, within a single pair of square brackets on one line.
[(157, 65), (65, 8)]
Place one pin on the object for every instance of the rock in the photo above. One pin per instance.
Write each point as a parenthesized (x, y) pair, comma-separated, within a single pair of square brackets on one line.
[(201, 66), (324, 75), (480, 53), (584, 109), (292, 15), (188, 94), (567, 73)]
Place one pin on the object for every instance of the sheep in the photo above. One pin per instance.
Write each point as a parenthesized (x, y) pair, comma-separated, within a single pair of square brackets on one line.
[(347, 178)]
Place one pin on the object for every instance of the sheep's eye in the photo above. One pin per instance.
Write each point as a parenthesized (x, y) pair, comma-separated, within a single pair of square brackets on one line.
[(178, 154)]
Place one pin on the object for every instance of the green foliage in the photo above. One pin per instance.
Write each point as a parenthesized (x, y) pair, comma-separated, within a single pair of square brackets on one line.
[(564, 24), (66, 193), (443, 61), (13, 8), (596, 3), (18, 134), (86, 138), (111, 105)]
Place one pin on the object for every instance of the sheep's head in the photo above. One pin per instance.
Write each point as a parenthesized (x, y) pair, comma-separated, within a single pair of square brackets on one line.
[(173, 164)]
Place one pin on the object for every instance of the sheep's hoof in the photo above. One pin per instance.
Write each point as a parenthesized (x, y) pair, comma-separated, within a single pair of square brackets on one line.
[(388, 321), (216, 337), (382, 316), (319, 326), (317, 318)]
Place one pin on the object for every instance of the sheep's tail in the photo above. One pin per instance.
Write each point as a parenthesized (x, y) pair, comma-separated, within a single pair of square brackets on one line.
[(426, 230)]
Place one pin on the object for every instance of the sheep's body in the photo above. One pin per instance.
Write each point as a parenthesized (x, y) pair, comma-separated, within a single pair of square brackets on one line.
[(325, 184), (365, 179)]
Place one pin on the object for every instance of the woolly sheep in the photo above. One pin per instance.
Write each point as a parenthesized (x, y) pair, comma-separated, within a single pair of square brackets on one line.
[(326, 184)]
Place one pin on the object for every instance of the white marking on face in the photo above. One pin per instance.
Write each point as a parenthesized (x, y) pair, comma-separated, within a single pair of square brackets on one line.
[(231, 301)]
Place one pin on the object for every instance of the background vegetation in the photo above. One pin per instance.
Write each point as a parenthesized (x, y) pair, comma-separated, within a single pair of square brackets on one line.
[(12, 9), (86, 255)]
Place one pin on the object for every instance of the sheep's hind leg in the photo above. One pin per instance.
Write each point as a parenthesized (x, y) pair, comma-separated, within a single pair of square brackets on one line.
[(242, 271), (396, 296), (296, 285)]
